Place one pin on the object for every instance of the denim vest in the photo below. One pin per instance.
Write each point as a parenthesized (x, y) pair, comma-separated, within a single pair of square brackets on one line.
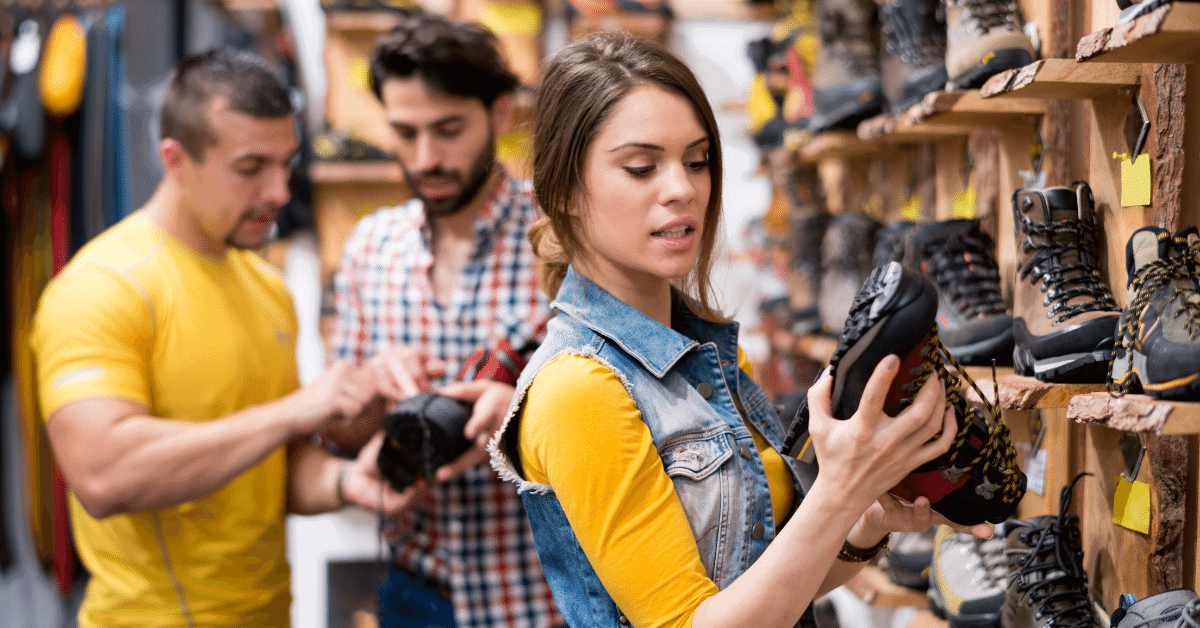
[(682, 380)]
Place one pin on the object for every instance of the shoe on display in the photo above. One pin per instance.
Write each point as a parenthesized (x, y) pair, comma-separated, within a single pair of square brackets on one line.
[(781, 100), (1131, 10), (967, 578), (846, 249), (908, 558), (913, 49), (804, 273), (846, 85), (1158, 344), (983, 38), (1064, 316), (974, 322), (890, 242), (977, 479), (1177, 608), (1047, 583), (333, 145)]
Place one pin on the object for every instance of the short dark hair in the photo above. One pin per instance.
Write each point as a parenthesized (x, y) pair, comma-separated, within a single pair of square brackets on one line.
[(456, 58), (242, 79)]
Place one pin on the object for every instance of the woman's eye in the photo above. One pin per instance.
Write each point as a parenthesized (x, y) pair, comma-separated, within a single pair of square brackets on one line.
[(698, 165), (639, 172)]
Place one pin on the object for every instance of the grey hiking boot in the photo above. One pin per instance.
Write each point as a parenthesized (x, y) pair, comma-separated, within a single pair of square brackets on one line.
[(1158, 346), (968, 578), (1047, 583), (1131, 10), (974, 323), (1177, 608), (804, 277), (1064, 316), (983, 38), (846, 84), (845, 264), (914, 51)]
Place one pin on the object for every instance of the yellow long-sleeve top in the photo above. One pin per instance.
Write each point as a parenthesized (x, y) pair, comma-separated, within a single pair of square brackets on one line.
[(582, 434)]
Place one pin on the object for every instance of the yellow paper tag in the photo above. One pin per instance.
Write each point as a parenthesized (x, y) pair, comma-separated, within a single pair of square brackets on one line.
[(964, 204), (360, 74), (911, 209), (1131, 505), (1135, 181), (513, 18)]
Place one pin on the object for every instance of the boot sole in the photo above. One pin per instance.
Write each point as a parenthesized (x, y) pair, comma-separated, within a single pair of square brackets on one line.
[(1187, 387), (1083, 367), (995, 63), (982, 350), (936, 606)]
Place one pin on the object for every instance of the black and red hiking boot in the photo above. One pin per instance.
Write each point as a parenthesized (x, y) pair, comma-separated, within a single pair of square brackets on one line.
[(894, 313)]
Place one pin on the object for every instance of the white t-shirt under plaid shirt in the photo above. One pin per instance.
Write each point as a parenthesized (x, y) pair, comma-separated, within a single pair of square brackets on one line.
[(470, 534)]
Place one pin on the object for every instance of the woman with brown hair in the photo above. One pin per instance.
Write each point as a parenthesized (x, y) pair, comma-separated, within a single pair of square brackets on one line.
[(646, 457)]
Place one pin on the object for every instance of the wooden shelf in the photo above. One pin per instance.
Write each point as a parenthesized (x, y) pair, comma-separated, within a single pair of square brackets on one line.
[(1062, 79), (838, 143), (1136, 413), (1169, 34), (1018, 392), (897, 129), (734, 10), (968, 108), (872, 586), (371, 21), (356, 172), (249, 5)]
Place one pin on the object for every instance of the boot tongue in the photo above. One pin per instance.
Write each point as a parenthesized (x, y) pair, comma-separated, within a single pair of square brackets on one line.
[(1144, 248), (1157, 606), (1063, 204)]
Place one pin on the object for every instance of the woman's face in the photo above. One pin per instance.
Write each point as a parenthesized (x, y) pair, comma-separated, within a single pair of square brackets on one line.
[(646, 189)]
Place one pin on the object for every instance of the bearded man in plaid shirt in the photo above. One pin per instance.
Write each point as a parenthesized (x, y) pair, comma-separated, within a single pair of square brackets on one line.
[(423, 289)]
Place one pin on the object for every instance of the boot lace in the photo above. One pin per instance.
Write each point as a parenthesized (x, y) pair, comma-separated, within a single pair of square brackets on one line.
[(1063, 282), (986, 15), (1175, 271), (997, 453), (904, 35), (965, 268), (1052, 570)]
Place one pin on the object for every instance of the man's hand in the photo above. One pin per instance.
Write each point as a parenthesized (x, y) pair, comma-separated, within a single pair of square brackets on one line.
[(402, 372), (491, 400), (340, 393), (363, 485)]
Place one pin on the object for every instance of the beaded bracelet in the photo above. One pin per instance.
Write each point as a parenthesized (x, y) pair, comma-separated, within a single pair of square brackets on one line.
[(851, 554)]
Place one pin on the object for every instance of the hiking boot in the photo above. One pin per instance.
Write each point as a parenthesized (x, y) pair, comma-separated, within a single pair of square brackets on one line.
[(1158, 349), (804, 274), (846, 86), (977, 479), (1064, 317), (1047, 584), (1177, 608), (1131, 11), (974, 323), (983, 38), (890, 242), (914, 51), (845, 263), (423, 433), (908, 558), (967, 578), (781, 99)]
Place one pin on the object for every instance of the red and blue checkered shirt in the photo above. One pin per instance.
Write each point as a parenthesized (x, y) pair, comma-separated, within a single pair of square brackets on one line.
[(471, 534)]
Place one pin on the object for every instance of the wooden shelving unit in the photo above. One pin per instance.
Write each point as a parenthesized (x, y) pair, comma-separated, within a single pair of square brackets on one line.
[(969, 108), (1136, 413), (1017, 392), (837, 144), (872, 586), (355, 172), (1169, 34), (1063, 79)]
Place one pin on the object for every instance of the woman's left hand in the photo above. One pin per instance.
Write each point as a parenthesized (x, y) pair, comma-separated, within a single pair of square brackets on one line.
[(891, 514)]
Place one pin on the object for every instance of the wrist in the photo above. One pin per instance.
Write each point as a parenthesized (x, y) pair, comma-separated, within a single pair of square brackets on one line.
[(852, 553)]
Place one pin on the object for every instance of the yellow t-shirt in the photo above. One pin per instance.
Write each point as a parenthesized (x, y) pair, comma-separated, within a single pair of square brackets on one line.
[(622, 506), (138, 315)]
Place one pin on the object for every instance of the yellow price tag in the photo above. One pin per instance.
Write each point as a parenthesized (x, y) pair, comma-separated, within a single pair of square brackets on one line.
[(911, 209), (1135, 181), (964, 204), (360, 74), (1131, 505), (512, 18)]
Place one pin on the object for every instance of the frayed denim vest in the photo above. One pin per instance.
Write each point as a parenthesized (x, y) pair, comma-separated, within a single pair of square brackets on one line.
[(682, 380)]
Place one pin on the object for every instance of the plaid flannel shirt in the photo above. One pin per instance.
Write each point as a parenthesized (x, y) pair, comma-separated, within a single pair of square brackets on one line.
[(471, 534)]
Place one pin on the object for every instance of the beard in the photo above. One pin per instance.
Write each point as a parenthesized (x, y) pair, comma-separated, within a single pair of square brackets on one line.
[(236, 241), (469, 183)]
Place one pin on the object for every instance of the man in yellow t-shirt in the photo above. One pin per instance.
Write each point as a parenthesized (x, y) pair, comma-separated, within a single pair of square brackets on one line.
[(167, 376)]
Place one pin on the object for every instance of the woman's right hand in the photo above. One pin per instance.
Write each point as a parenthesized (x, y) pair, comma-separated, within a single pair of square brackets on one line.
[(869, 453)]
